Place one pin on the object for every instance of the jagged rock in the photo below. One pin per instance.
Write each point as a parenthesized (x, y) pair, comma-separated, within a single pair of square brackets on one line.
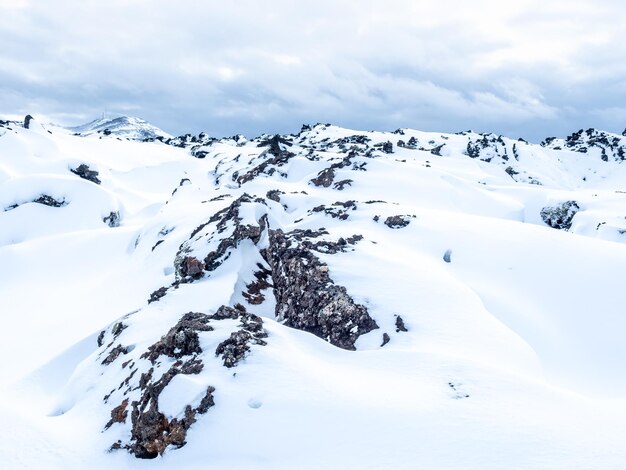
[(118, 414), (117, 329), (85, 173), (50, 201), (306, 297), (27, 120), (386, 339), (412, 143), (192, 267), (279, 157), (225, 312), (400, 325), (114, 354), (152, 432), (339, 210), (561, 215), (340, 185), (397, 221), (274, 195), (324, 178), (242, 232), (254, 290), (113, 219), (234, 348), (182, 339), (157, 294)]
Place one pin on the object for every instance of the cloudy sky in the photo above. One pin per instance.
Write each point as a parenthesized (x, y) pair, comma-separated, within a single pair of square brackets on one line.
[(529, 68)]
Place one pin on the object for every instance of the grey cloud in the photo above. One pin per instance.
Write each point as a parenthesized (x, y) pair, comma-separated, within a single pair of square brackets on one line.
[(531, 69)]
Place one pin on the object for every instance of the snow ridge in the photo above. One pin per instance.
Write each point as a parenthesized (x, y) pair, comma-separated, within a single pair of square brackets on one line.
[(400, 293)]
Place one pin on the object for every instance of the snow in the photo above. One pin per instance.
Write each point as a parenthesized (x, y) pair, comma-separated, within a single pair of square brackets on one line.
[(513, 357)]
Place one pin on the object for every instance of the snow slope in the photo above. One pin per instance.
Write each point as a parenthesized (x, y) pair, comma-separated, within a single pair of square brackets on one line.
[(359, 299)]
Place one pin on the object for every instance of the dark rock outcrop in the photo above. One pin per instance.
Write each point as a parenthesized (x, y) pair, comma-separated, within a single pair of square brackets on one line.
[(113, 219), (324, 178), (400, 325), (234, 349), (397, 221), (307, 298), (561, 215), (86, 173), (50, 201), (152, 432), (182, 339)]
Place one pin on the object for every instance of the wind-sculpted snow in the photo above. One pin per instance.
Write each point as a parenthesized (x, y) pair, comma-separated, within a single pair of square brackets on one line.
[(364, 299)]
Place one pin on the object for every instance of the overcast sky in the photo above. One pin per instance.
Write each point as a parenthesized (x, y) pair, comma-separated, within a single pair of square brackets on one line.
[(525, 68)]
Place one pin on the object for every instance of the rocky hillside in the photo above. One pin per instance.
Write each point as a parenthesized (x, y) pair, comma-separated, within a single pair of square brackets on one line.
[(366, 299)]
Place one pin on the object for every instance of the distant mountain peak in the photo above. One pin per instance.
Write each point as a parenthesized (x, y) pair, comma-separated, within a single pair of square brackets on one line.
[(127, 127)]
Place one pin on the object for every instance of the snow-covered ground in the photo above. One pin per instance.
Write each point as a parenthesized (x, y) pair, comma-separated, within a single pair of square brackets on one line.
[(512, 357)]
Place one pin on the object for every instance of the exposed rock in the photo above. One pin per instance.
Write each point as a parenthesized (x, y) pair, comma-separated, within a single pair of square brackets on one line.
[(400, 325), (278, 157), (85, 173), (192, 267), (114, 354), (340, 185), (182, 339), (50, 201), (113, 219), (386, 339), (237, 345), (306, 297), (27, 120), (117, 329), (274, 195), (561, 215), (324, 178), (118, 414), (152, 432), (397, 221), (254, 290), (339, 210), (157, 294)]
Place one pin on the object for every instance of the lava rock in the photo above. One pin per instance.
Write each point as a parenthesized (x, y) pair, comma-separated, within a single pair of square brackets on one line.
[(113, 219), (324, 178), (400, 325), (50, 201), (397, 221), (561, 215), (182, 339), (307, 299), (86, 173)]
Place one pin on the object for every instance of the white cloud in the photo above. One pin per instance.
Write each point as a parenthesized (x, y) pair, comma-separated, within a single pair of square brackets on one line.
[(251, 66)]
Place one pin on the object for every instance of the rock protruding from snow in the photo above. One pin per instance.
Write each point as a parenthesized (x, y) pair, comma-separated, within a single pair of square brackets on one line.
[(235, 348), (610, 147), (86, 173), (177, 353), (27, 120), (306, 296), (561, 215)]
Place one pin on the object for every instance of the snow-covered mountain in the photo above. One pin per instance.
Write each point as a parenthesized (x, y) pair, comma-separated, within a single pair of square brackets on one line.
[(329, 299), (124, 127)]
